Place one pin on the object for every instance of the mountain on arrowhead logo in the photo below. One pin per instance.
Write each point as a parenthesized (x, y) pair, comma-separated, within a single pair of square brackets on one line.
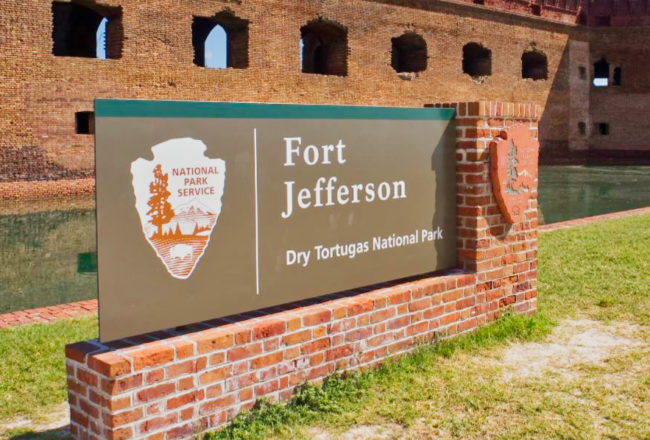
[(178, 199)]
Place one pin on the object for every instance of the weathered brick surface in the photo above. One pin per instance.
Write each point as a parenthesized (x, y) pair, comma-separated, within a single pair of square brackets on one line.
[(41, 92), (170, 385)]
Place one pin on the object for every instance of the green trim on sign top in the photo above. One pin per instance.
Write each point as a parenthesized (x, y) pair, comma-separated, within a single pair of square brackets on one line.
[(115, 108)]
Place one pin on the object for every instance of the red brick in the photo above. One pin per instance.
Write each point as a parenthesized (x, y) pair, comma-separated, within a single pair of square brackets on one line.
[(184, 399), (215, 374), (265, 361), (268, 328), (156, 354), (185, 383), (399, 322), (447, 319), (87, 377), (119, 419), (184, 349), (314, 346), (381, 315), (155, 375), (158, 423), (339, 352), (316, 316), (79, 350), (117, 386), (419, 304), (266, 388), (213, 405), (238, 353), (120, 434), (355, 335), (155, 392), (109, 364), (211, 340), (187, 413), (176, 370), (184, 431)]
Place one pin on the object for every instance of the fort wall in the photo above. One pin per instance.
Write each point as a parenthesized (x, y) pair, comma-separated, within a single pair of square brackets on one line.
[(41, 92), (623, 108)]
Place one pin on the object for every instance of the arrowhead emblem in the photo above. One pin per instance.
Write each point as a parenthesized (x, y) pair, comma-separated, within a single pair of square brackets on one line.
[(513, 157), (178, 199)]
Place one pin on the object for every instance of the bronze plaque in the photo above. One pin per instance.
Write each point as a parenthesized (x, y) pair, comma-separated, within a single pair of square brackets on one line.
[(209, 209)]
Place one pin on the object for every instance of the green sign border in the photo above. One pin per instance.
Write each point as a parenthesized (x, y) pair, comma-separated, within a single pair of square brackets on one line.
[(188, 109)]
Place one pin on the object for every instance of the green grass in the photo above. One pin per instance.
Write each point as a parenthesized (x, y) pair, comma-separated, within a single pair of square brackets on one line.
[(32, 365), (453, 389), (600, 271)]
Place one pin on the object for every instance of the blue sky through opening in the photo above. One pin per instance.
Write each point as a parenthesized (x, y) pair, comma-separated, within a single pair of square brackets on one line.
[(216, 48), (101, 39)]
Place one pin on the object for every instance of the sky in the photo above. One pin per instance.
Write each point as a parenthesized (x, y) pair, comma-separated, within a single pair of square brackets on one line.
[(101, 39)]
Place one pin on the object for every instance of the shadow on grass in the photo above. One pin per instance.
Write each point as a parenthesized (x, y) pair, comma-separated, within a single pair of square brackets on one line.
[(62, 433)]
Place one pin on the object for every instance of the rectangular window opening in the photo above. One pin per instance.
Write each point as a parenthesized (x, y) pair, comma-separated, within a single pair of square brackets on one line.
[(603, 128), (84, 122), (582, 70)]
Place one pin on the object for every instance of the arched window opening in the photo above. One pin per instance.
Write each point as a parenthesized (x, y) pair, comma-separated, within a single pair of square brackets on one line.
[(409, 53), (616, 76), (220, 41), (89, 32), (216, 48), (534, 65), (324, 48), (601, 73), (477, 60)]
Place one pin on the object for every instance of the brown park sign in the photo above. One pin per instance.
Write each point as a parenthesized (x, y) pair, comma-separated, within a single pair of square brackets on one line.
[(210, 209)]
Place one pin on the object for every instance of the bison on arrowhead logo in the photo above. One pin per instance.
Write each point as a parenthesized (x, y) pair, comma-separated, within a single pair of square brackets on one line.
[(513, 158), (178, 199)]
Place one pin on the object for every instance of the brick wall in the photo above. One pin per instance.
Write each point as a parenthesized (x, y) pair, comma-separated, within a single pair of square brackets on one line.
[(624, 108), (173, 384), (41, 92)]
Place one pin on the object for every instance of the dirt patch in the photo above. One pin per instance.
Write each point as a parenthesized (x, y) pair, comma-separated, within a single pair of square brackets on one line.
[(363, 432), (55, 424), (571, 344)]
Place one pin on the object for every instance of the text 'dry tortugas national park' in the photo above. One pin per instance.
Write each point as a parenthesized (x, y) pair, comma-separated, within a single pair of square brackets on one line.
[(261, 194)]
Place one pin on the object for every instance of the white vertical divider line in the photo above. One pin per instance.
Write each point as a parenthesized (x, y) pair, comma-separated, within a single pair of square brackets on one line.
[(257, 220)]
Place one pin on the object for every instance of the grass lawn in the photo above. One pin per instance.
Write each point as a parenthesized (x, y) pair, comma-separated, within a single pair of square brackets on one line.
[(594, 283), (32, 365)]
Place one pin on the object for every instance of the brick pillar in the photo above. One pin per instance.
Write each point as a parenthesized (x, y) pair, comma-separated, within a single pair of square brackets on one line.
[(503, 255)]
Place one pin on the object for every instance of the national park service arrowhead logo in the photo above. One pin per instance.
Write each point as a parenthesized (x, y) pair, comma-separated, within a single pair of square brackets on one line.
[(178, 198), (513, 158)]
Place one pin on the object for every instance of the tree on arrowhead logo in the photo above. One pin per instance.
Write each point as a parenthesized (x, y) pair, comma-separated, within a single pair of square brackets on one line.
[(178, 199)]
